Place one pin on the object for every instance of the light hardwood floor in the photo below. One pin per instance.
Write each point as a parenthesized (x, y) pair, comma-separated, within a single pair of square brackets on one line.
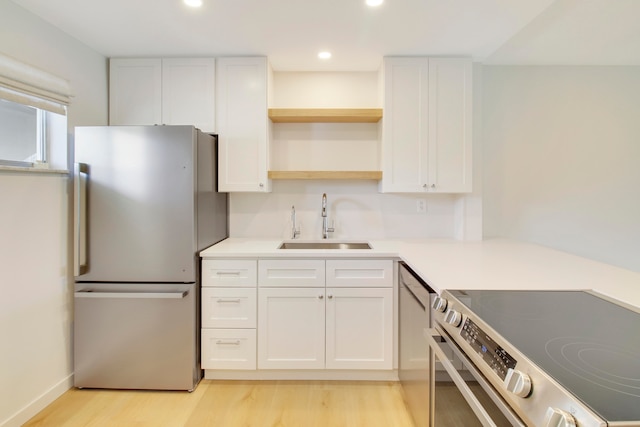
[(234, 404)]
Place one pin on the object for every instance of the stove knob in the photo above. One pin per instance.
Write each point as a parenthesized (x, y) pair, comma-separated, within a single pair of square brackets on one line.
[(518, 383), (558, 418), (439, 304), (453, 317)]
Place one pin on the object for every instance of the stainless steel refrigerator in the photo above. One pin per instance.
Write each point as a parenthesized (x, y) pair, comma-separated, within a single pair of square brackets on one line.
[(145, 204)]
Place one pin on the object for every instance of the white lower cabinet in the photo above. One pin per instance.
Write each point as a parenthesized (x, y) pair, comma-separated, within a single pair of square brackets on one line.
[(345, 326), (297, 314), (229, 314)]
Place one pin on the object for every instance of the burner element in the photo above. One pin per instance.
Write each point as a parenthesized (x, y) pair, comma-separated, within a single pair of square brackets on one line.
[(601, 364)]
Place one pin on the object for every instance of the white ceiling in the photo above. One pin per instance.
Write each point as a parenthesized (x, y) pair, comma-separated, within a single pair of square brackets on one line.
[(291, 32)]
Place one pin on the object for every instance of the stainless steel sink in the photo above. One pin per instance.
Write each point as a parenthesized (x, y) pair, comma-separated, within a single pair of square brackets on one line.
[(324, 245)]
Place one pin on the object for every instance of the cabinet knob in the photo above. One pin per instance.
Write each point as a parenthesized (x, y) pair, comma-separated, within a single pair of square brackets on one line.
[(424, 185), (320, 296), (261, 185), (433, 186), (518, 383), (330, 296), (557, 418)]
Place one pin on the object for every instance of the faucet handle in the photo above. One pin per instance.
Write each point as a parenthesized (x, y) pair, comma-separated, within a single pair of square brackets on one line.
[(333, 226)]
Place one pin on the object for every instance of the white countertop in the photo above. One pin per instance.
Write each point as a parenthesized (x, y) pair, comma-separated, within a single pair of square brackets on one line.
[(452, 264)]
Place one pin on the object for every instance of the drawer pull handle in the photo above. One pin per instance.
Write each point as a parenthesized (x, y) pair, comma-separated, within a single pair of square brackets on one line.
[(227, 273), (222, 342), (229, 300)]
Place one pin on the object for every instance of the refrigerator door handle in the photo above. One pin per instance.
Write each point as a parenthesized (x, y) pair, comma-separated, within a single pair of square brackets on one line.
[(131, 295), (81, 178)]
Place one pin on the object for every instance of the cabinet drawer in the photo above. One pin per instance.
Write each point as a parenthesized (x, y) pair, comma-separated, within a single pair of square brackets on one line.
[(360, 273), (228, 307), (229, 273), (228, 349), (291, 273)]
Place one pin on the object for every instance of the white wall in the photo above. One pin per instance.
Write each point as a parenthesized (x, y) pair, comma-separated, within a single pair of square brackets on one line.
[(359, 211), (35, 282), (326, 90), (562, 159)]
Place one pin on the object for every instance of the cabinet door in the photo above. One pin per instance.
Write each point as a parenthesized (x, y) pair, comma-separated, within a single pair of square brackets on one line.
[(405, 125), (242, 122), (188, 92), (291, 328), (450, 102), (359, 328), (135, 91)]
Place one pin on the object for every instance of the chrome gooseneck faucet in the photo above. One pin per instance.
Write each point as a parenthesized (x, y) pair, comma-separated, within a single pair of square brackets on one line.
[(325, 226)]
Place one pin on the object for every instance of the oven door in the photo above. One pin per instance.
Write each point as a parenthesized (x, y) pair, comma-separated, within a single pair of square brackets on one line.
[(461, 396)]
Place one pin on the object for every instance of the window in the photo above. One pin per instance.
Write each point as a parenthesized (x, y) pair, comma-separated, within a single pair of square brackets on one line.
[(21, 134), (32, 113)]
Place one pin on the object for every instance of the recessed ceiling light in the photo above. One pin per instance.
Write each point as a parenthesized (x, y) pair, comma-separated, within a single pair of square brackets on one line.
[(193, 3), (374, 3), (324, 55)]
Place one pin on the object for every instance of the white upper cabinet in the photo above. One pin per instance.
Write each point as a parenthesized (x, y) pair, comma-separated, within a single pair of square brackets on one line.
[(170, 91), (135, 91), (243, 124), (426, 137)]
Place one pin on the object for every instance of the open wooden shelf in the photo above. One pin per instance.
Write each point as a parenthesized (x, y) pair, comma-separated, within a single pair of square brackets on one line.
[(364, 175), (325, 115)]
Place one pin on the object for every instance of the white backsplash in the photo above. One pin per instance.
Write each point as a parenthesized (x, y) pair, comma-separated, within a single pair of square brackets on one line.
[(357, 209)]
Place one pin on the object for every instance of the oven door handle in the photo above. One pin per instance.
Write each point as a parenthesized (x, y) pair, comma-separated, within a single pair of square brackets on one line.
[(467, 393)]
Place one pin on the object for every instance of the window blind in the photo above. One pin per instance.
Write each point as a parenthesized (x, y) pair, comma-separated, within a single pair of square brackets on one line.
[(31, 86)]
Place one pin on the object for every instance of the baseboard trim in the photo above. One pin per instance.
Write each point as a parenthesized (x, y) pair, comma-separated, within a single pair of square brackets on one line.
[(39, 403), (309, 375)]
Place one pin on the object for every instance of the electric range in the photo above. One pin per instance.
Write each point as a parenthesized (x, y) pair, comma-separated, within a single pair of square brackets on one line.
[(558, 358)]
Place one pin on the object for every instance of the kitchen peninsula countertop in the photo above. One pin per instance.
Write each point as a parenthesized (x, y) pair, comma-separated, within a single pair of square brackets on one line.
[(453, 264)]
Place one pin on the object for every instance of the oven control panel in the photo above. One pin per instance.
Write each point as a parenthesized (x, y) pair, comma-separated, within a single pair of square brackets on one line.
[(494, 355)]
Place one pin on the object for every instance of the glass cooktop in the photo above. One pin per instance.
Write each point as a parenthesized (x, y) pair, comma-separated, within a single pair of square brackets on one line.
[(587, 344)]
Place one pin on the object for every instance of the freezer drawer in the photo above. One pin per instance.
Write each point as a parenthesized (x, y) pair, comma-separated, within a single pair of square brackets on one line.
[(136, 336)]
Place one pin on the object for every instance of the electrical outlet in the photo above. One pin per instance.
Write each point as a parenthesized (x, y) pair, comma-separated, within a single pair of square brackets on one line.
[(421, 206)]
